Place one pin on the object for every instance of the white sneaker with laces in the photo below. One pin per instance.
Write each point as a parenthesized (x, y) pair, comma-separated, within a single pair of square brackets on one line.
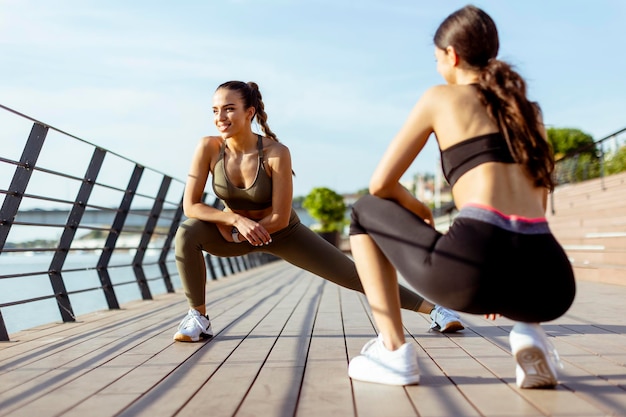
[(536, 358), (445, 320), (193, 327), (391, 367)]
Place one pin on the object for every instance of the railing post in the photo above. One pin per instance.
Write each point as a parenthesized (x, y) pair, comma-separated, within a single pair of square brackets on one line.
[(153, 218), (246, 262), (242, 263), (221, 265), (235, 263), (229, 262), (20, 180), (4, 335), (209, 263), (602, 166), (73, 220), (167, 245), (114, 233)]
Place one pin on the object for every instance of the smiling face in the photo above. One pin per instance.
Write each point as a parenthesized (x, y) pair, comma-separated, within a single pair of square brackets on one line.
[(229, 115)]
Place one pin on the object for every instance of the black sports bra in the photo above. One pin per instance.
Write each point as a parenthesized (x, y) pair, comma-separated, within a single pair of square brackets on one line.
[(463, 156), (256, 197)]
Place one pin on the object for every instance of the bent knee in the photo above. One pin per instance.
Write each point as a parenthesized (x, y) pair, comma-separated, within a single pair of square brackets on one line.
[(192, 233)]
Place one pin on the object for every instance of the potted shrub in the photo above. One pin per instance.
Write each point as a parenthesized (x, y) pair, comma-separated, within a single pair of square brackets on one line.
[(328, 208)]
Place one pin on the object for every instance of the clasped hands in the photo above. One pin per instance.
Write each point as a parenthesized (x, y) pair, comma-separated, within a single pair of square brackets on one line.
[(248, 230)]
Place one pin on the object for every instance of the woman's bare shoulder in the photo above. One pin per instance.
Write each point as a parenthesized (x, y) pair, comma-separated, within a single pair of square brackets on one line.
[(274, 148), (440, 97), (210, 142), (449, 91)]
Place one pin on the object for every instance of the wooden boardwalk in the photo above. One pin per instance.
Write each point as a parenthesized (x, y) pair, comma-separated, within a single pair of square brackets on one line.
[(282, 344)]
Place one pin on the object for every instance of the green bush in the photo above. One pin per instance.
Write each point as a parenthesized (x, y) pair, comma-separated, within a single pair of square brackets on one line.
[(616, 162), (327, 207)]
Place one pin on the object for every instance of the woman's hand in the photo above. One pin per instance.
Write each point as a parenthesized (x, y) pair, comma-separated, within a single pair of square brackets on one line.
[(492, 316), (424, 212), (249, 230)]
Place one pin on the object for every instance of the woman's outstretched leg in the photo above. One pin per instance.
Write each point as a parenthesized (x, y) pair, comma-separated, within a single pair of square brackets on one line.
[(305, 249)]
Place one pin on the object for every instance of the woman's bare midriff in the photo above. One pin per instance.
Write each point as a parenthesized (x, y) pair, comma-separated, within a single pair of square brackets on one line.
[(255, 215), (504, 187)]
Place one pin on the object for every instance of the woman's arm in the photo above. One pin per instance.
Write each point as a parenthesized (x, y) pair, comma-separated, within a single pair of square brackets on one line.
[(279, 162), (193, 206), (400, 154)]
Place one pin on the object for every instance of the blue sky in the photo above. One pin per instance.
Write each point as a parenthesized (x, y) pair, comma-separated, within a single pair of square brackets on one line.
[(338, 77)]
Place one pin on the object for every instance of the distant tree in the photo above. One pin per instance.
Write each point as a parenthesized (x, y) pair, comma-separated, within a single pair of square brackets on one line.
[(576, 155), (326, 206), (565, 141), (616, 162)]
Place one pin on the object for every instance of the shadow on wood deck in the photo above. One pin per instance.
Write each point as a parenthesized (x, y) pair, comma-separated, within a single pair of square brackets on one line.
[(281, 347)]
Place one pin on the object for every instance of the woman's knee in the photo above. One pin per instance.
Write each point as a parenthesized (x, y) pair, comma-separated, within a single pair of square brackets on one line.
[(355, 225), (191, 234)]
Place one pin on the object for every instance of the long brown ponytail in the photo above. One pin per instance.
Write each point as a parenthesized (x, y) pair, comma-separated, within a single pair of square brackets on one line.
[(503, 91)]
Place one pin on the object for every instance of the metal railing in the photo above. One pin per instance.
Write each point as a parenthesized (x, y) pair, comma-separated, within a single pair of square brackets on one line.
[(58, 172), (590, 161)]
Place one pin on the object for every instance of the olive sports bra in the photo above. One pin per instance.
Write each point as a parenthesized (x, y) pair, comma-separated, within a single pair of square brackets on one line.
[(256, 197), (463, 156)]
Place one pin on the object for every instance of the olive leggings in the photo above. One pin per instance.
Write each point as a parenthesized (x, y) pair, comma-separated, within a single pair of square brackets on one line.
[(296, 244)]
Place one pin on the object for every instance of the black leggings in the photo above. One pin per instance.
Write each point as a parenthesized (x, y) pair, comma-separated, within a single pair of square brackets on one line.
[(485, 263), (296, 244)]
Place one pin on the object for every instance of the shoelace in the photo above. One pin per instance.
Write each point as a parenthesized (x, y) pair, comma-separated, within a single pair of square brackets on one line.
[(445, 314), (188, 322)]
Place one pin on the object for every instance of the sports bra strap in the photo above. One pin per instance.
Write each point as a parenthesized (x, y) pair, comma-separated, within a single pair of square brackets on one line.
[(260, 148)]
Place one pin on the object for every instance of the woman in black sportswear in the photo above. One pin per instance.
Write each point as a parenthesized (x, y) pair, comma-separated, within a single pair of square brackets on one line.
[(499, 256)]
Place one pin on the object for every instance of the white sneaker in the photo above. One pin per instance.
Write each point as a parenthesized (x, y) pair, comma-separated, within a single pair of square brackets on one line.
[(445, 320), (536, 358), (193, 327), (378, 364)]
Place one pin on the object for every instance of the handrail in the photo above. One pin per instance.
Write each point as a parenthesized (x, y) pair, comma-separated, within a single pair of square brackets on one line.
[(572, 167), (569, 167), (133, 217)]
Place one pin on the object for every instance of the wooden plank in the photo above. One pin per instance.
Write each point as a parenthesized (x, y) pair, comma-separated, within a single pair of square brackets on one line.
[(371, 399), (437, 395), (326, 389), (276, 389)]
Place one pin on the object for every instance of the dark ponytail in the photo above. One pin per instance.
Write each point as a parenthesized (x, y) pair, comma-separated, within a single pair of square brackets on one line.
[(503, 91)]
